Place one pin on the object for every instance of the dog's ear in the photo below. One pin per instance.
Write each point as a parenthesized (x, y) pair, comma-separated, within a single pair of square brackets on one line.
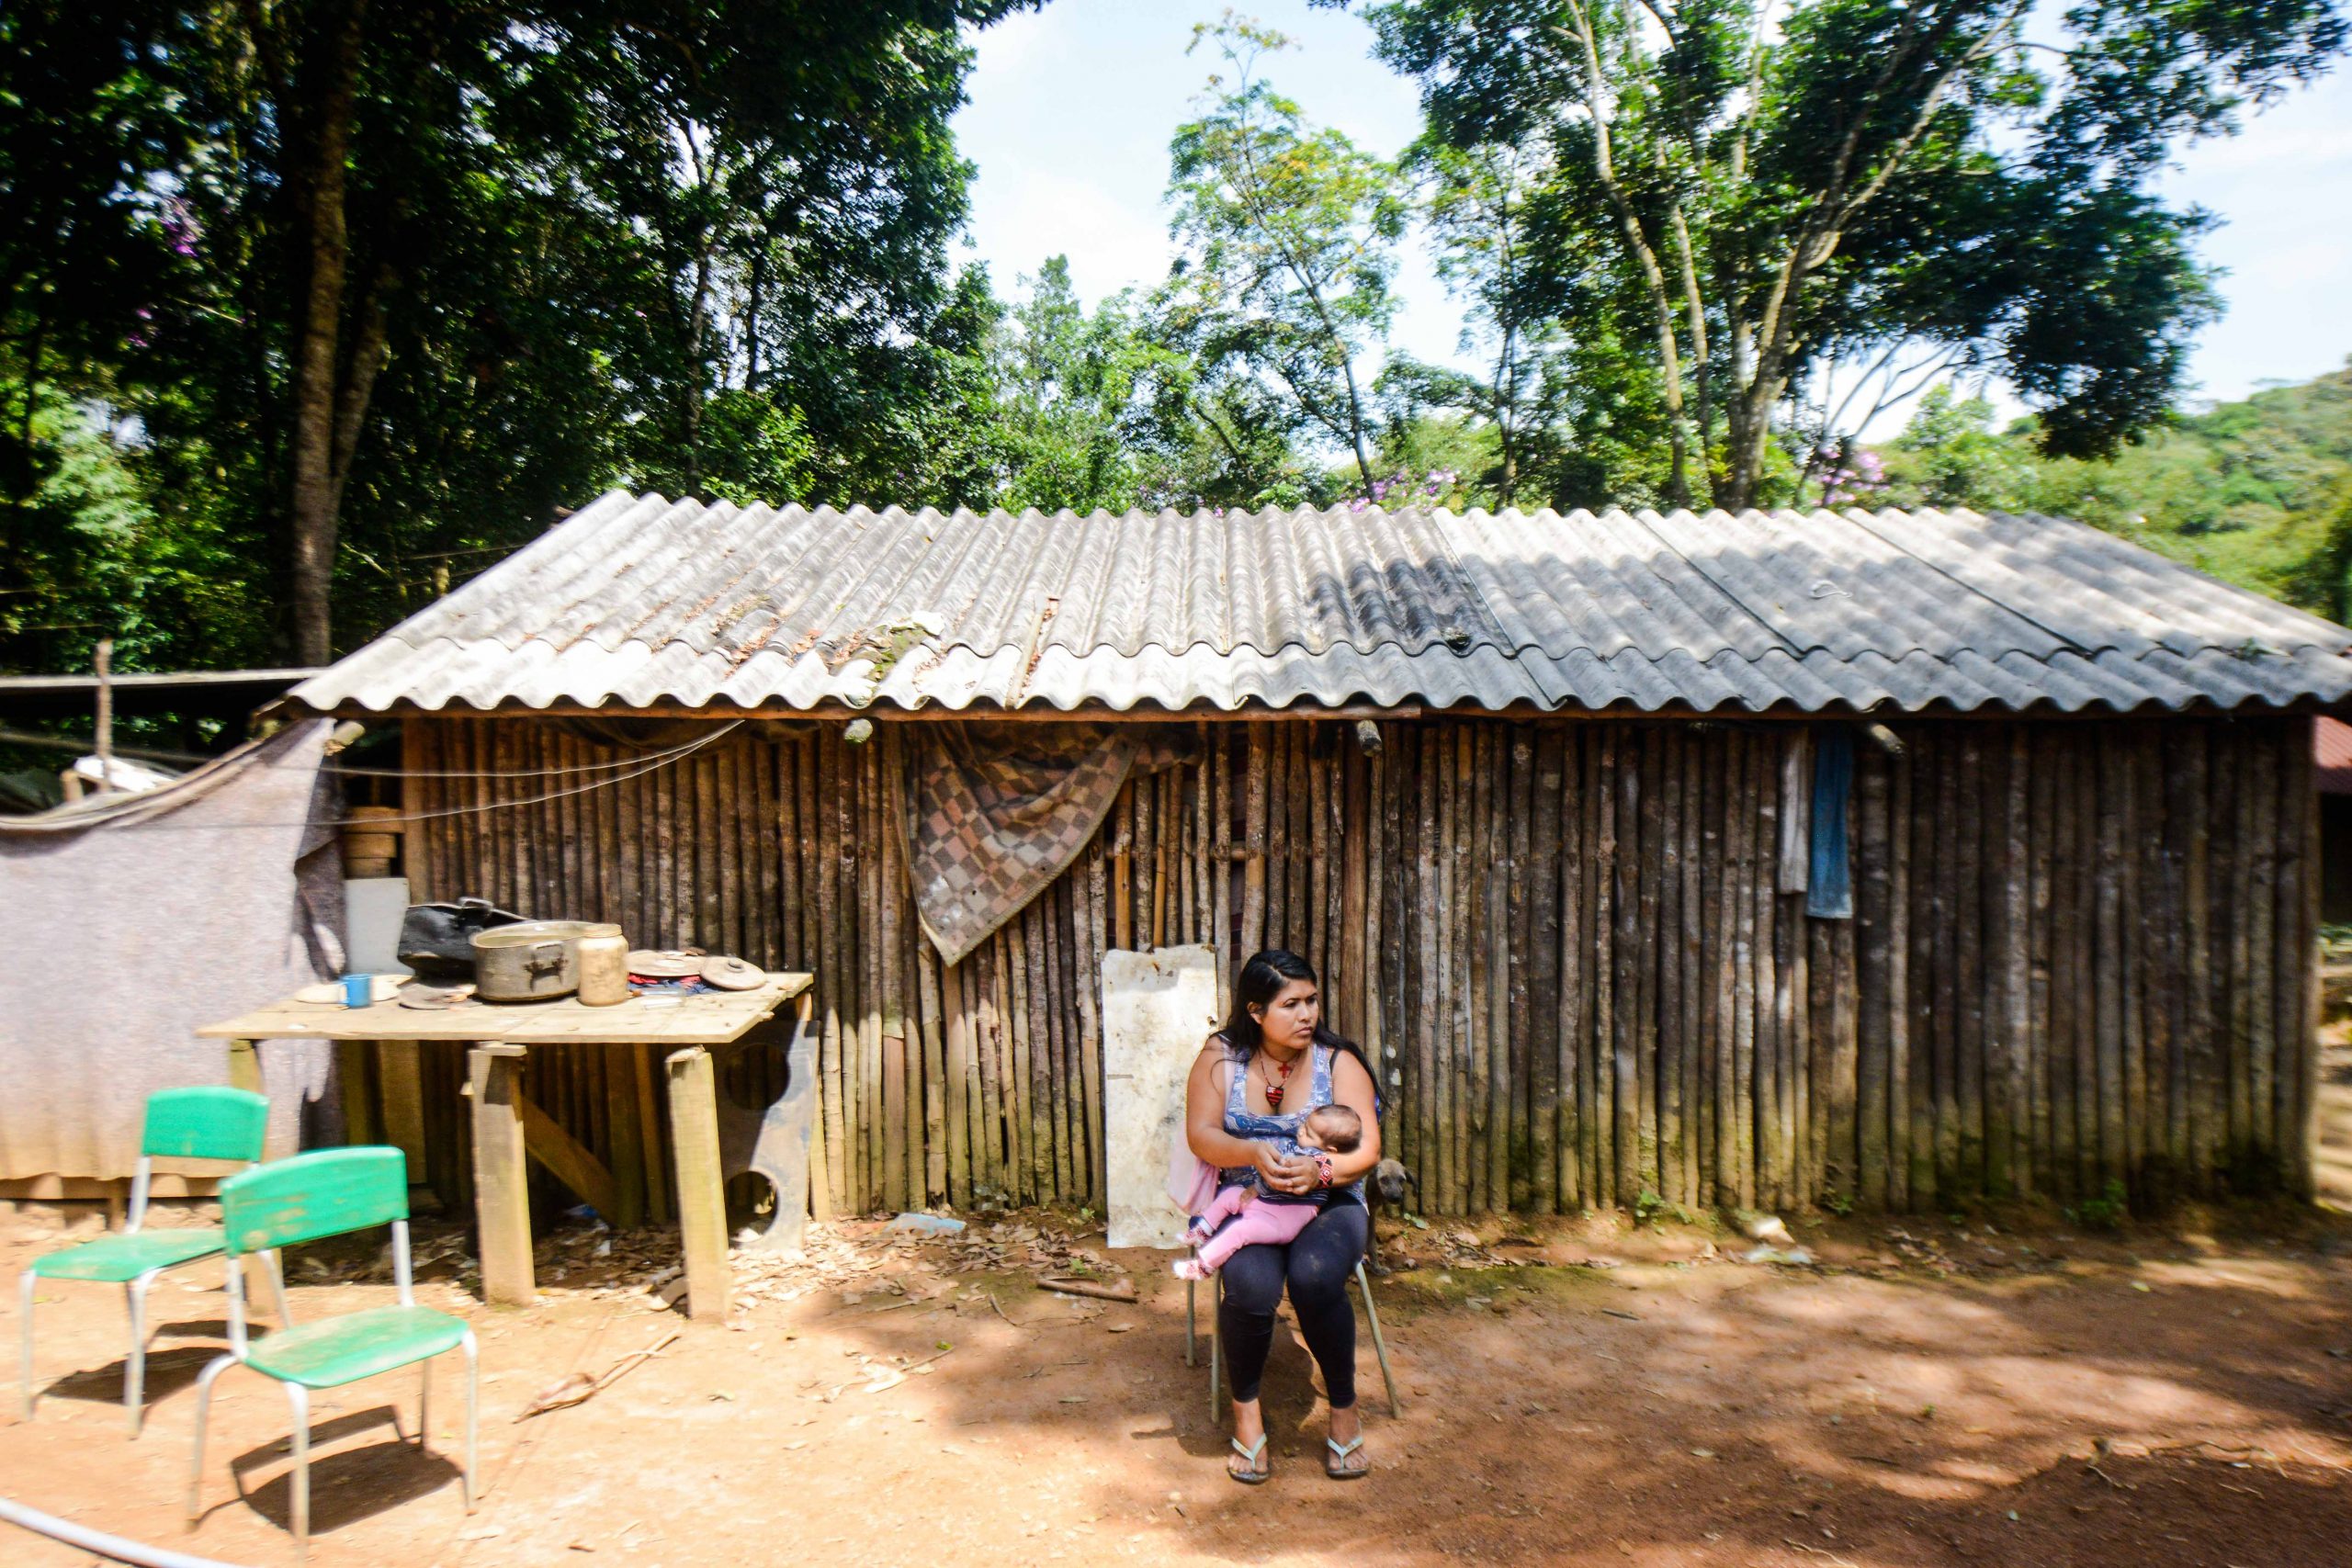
[(1411, 1180)]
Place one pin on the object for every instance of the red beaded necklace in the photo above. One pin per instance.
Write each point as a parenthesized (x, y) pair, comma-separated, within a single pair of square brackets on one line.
[(1273, 1089)]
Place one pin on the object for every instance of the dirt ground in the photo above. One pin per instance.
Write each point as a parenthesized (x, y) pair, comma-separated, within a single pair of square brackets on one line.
[(2001, 1387), (1928, 1394)]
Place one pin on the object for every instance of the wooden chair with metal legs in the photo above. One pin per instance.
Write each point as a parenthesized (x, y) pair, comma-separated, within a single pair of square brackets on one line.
[(1216, 1345), (332, 1192), (200, 1123)]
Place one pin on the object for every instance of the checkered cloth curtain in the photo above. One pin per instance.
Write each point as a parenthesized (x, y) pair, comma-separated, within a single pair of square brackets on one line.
[(996, 811)]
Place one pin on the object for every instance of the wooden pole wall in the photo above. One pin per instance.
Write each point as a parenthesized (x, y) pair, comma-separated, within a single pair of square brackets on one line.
[(2080, 959)]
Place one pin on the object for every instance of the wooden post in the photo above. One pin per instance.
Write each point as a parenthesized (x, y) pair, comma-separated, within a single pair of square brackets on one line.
[(400, 1086), (702, 1190), (501, 1191)]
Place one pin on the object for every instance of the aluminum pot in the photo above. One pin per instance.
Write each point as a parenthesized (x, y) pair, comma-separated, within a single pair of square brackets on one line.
[(531, 961)]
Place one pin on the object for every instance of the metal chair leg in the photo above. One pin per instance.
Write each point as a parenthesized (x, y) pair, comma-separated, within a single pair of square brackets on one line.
[(300, 1398), (213, 1370), (425, 1405), (1379, 1344), (1216, 1350), (1190, 1287), (473, 1404), (278, 1287), (134, 1366), (30, 1283)]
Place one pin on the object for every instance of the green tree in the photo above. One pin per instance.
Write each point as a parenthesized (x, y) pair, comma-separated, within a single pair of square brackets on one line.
[(375, 290), (1290, 237), (1783, 183)]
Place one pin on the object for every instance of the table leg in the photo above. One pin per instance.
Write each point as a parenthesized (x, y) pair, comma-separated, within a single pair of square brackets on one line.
[(244, 1072), (702, 1189), (501, 1189)]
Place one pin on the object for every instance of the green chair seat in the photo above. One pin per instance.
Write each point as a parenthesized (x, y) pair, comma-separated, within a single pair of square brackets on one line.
[(124, 1256), (356, 1345)]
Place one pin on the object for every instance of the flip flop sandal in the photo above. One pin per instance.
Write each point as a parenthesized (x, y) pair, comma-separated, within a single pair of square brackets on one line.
[(1333, 1465), (1253, 1476)]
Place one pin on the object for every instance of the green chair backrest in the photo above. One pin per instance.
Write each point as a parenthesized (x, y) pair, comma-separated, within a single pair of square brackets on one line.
[(325, 1192), (205, 1122)]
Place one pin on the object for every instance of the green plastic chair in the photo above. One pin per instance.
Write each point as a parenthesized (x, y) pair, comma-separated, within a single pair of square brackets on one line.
[(331, 1192), (182, 1123)]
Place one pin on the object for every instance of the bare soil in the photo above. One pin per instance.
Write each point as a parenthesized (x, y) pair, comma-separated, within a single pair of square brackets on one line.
[(2007, 1389)]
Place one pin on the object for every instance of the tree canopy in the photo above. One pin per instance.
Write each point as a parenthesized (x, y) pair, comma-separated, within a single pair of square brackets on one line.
[(311, 308)]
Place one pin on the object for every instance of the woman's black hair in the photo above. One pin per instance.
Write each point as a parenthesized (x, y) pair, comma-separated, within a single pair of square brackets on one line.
[(1260, 981)]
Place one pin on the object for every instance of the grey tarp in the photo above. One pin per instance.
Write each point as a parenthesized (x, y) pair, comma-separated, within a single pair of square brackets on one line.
[(128, 923)]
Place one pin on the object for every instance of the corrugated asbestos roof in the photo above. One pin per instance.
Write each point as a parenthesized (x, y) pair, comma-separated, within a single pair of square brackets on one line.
[(638, 601)]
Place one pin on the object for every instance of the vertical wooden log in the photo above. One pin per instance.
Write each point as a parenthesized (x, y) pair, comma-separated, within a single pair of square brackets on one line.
[(956, 1029), (1464, 905), (1090, 980), (1747, 823), (2011, 1139), (2041, 991), (1898, 981), (1259, 764), (1665, 1028), (1691, 1035), (2260, 899), (1775, 965), (993, 1160), (1430, 1013), (902, 1100), (2298, 965), (1387, 857), (1633, 920), (502, 1203), (1280, 918), (1475, 908), (2067, 958), (1299, 912), (1321, 947), (1372, 835), (1968, 914), (1946, 980), (1873, 904), (1721, 1167), (702, 1191), (1576, 960), (1221, 861), (1069, 1163), (833, 1002), (2129, 797), (1598, 1133), (2088, 839), (1545, 1003), (1123, 921), (2112, 968), (938, 1140)]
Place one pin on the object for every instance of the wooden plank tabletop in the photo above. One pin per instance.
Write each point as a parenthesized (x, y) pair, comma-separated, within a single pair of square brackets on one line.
[(708, 1017)]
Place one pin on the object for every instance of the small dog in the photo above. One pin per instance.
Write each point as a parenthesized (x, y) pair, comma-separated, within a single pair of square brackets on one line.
[(1386, 1188)]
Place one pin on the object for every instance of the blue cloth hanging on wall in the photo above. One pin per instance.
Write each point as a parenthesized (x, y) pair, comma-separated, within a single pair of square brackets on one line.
[(1829, 894)]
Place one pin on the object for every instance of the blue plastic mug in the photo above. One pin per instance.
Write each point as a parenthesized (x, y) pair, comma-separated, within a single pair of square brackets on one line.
[(358, 990)]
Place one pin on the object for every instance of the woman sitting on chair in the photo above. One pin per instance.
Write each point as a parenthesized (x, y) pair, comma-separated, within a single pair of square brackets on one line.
[(1252, 1086)]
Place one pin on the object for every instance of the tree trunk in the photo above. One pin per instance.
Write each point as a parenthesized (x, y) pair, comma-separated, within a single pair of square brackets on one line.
[(314, 490)]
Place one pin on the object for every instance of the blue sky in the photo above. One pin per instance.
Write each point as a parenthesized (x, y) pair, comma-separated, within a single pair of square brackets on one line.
[(1072, 108)]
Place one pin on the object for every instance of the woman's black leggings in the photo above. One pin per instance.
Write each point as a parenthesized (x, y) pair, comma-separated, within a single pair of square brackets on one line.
[(1316, 1265)]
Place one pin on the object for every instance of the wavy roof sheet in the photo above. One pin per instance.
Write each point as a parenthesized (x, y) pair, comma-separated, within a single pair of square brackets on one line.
[(638, 601)]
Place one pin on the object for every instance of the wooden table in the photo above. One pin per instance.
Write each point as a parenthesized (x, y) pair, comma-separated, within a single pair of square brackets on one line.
[(507, 1125)]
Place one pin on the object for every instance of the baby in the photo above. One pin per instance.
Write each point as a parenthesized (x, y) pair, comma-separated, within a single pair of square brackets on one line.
[(1260, 1218)]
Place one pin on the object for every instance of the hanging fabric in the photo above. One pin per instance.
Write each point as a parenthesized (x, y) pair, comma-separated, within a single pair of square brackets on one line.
[(1829, 893), (995, 811)]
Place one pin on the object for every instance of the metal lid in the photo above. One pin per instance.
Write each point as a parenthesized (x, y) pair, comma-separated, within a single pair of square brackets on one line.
[(666, 963), (732, 974), (530, 934)]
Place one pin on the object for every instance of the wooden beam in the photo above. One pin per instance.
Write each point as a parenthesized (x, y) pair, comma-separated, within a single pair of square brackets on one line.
[(573, 1166), (501, 1189), (702, 1189)]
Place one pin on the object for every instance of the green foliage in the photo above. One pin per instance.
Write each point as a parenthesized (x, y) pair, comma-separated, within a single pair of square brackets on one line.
[(1778, 185), (2105, 1213), (1290, 237), (698, 248)]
